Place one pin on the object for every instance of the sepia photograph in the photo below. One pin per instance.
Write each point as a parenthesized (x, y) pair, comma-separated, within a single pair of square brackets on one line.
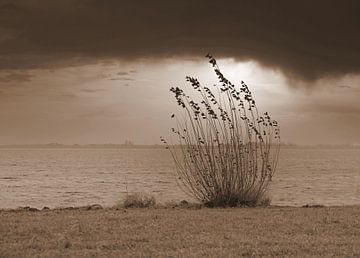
[(158, 128)]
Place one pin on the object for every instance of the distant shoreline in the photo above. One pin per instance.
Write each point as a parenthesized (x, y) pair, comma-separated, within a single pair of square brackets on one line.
[(79, 146), (168, 206), (150, 146)]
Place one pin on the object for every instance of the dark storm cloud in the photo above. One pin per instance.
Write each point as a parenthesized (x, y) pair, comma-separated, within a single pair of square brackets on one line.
[(92, 90), (121, 79), (348, 88), (122, 73), (330, 108), (344, 87), (123, 76), (68, 95), (304, 39), (15, 76)]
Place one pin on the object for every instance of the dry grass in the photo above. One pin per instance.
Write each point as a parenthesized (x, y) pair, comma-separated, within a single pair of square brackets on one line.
[(138, 200), (300, 232), (227, 152)]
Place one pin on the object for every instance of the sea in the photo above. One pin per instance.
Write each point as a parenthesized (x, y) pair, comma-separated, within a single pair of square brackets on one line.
[(67, 177)]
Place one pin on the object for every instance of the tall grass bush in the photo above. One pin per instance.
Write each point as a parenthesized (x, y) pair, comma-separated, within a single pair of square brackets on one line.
[(227, 152)]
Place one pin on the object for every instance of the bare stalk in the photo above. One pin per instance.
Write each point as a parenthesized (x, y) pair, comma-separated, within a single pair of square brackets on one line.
[(227, 152)]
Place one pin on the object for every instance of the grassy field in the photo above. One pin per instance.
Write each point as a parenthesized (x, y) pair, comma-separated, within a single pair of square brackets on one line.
[(178, 232)]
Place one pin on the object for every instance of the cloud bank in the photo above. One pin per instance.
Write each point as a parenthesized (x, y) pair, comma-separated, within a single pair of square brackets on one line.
[(306, 40)]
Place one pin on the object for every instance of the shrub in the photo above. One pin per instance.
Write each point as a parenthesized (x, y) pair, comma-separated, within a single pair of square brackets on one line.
[(227, 152), (139, 200)]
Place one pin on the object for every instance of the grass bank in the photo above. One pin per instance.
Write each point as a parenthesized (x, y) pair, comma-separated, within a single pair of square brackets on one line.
[(168, 232)]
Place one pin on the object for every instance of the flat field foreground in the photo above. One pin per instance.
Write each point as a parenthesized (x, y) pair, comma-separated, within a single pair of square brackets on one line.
[(181, 232)]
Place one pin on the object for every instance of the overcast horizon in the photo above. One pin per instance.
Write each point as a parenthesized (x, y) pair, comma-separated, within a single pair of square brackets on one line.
[(95, 72)]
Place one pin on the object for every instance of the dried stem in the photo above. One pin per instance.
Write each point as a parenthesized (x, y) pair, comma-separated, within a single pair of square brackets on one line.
[(226, 153)]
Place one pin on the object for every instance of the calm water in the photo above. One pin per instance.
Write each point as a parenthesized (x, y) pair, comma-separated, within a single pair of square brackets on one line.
[(74, 177)]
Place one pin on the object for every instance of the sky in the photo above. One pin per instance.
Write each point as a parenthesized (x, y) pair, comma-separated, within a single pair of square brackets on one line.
[(94, 71)]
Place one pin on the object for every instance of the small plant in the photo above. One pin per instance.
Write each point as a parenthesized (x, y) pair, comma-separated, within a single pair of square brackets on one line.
[(139, 200), (227, 152)]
